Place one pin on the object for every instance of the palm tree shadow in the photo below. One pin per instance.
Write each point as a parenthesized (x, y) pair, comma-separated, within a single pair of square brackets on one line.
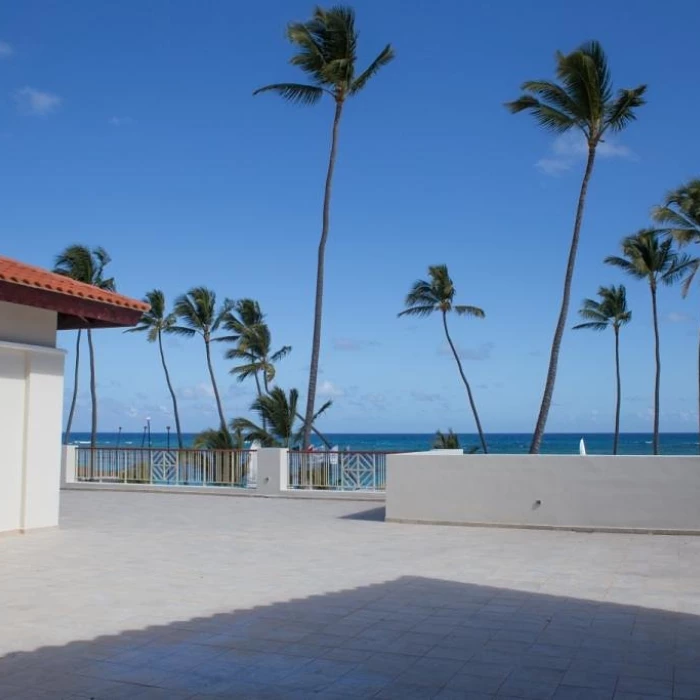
[(378, 640), (373, 514)]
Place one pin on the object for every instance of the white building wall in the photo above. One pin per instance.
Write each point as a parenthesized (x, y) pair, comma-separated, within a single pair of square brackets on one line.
[(26, 324), (31, 399)]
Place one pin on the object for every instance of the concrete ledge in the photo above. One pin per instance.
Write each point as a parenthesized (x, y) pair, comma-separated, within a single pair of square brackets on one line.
[(625, 494), (226, 491), (553, 528)]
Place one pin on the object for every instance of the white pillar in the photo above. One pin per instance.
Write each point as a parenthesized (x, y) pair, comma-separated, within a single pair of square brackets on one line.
[(68, 466), (272, 470), (31, 398)]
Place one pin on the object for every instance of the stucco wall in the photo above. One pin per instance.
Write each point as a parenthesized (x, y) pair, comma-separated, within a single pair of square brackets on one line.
[(31, 397), (632, 493), (26, 324)]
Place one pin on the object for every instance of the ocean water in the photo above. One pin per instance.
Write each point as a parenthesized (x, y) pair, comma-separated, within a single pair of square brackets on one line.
[(499, 443)]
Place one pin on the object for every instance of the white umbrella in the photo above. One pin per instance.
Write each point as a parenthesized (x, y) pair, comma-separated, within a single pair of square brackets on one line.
[(582, 447)]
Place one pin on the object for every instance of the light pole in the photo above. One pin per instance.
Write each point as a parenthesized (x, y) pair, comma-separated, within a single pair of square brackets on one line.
[(143, 437), (148, 426), (119, 435), (167, 427)]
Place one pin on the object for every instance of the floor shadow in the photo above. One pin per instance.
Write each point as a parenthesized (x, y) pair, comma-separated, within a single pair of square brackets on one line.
[(375, 514), (412, 637)]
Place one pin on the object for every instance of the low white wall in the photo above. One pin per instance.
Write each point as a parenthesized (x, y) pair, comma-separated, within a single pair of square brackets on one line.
[(650, 494)]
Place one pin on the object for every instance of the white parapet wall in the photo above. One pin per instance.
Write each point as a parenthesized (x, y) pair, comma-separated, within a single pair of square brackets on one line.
[(634, 494)]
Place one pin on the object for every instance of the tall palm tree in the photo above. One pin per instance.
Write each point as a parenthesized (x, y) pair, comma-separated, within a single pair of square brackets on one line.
[(680, 217), (610, 312), (437, 295), (279, 413), (198, 315), (582, 100), (326, 51), (247, 324), (648, 256), (155, 322), (84, 264)]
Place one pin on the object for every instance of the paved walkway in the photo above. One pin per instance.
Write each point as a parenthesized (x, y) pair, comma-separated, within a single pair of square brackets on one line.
[(153, 596)]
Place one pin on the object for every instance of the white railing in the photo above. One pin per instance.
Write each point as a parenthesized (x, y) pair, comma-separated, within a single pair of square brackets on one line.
[(232, 468), (337, 471)]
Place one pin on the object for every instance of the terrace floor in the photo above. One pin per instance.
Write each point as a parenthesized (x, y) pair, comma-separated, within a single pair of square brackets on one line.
[(164, 596)]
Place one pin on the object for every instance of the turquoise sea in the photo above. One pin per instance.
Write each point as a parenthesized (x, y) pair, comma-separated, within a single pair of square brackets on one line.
[(501, 443)]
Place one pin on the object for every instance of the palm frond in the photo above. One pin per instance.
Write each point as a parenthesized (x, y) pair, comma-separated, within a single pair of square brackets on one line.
[(621, 112), (182, 331), (549, 117), (420, 311), (591, 325), (385, 57), (295, 93), (475, 311), (554, 96), (281, 353)]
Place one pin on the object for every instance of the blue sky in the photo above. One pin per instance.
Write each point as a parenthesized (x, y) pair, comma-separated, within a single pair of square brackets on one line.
[(131, 125)]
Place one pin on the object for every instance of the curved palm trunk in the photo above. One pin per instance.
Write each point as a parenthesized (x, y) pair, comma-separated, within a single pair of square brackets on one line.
[(318, 311), (466, 384), (219, 407), (171, 390), (71, 411), (616, 439), (657, 380), (563, 312)]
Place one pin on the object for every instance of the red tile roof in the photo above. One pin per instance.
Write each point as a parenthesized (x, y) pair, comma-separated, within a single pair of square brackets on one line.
[(25, 275)]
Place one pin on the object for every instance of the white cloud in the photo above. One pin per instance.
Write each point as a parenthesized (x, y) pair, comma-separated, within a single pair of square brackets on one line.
[(5, 50), (35, 102), (678, 317), (196, 392), (120, 121), (327, 388), (569, 148)]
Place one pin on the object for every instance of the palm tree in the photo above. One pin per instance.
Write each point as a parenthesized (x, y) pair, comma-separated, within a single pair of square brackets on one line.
[(279, 413), (212, 439), (437, 295), (87, 265), (155, 322), (446, 441), (247, 323), (648, 256), (326, 51), (582, 100), (197, 311), (610, 312), (680, 217)]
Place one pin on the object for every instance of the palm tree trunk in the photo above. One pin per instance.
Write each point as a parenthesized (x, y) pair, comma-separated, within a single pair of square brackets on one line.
[(318, 310), (618, 391), (93, 399), (172, 391), (466, 384), (219, 408), (71, 412), (563, 311), (698, 395), (257, 385), (657, 381)]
